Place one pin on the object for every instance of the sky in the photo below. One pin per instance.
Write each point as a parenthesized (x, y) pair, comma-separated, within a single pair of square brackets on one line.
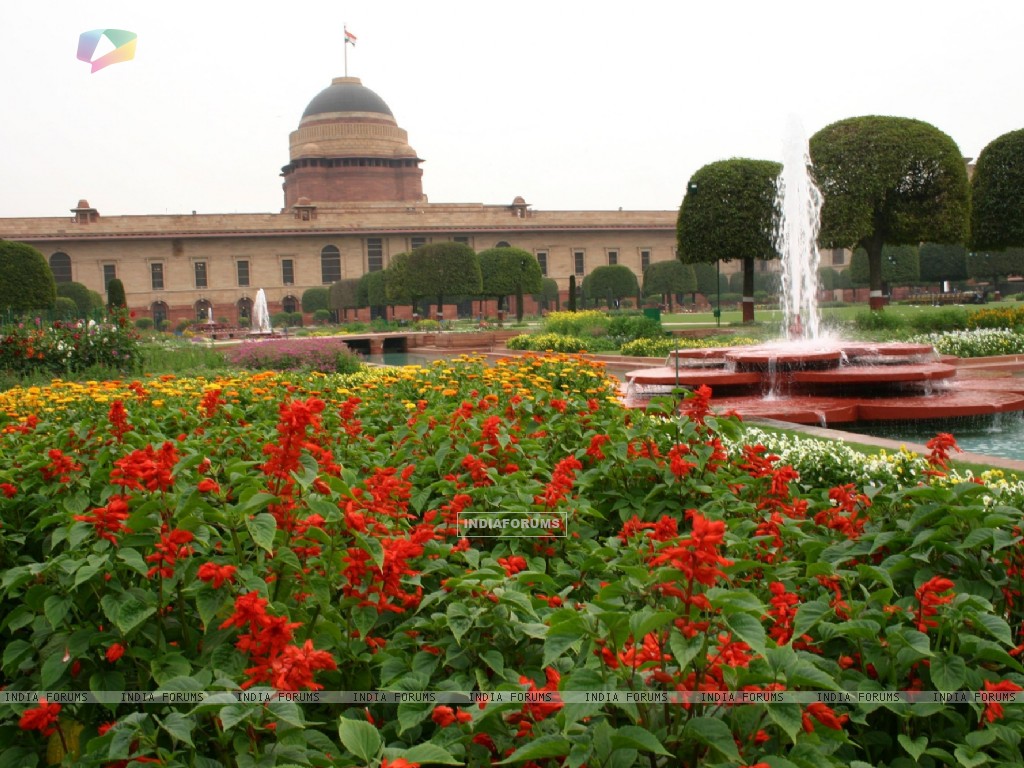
[(573, 105)]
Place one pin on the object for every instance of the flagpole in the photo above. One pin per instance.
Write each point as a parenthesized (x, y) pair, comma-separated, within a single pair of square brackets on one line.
[(344, 44)]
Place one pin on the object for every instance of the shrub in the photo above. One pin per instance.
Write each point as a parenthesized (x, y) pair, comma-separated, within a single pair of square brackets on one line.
[(996, 317), (576, 323), (65, 347), (144, 323), (623, 328), (979, 342), (116, 298), (555, 342), (938, 320), (65, 308), (322, 316), (281, 319), (82, 296), (323, 354), (26, 282), (874, 320)]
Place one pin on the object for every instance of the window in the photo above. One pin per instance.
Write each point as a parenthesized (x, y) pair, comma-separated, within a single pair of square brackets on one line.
[(464, 239), (156, 276), (503, 244), (374, 254), (242, 272), (542, 259), (287, 271), (199, 268), (613, 258), (578, 265), (160, 314), (290, 304), (60, 265), (109, 273), (645, 259), (838, 257), (417, 242), (330, 264)]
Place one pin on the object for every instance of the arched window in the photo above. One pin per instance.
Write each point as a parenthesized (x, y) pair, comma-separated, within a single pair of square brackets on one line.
[(160, 314), (245, 309), (290, 304), (330, 264), (503, 244), (60, 265), (204, 311)]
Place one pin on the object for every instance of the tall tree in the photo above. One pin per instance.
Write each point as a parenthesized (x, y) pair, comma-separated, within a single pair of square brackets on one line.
[(729, 213), (344, 295), (548, 293), (116, 298), (444, 269), (669, 278), (572, 293), (26, 281), (997, 194), (943, 261), (900, 265), (509, 272), (611, 283), (888, 180)]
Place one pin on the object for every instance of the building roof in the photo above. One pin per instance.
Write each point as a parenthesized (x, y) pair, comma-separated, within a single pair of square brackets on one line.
[(346, 94)]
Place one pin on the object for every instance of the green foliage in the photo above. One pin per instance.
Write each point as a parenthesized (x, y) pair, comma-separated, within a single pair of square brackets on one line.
[(443, 269), (980, 341), (709, 280), (900, 265), (506, 271), (26, 281), (85, 300), (344, 294), (873, 320), (316, 298), (62, 348), (551, 342), (991, 265), (572, 293), (322, 316), (65, 308), (668, 278), (116, 298), (609, 283), (997, 194), (888, 180), (941, 262), (321, 354), (372, 289), (548, 294), (142, 323)]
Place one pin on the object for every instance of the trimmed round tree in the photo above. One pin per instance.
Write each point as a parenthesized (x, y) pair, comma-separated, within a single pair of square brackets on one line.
[(316, 298), (612, 283), (26, 281), (78, 293), (444, 269), (669, 278), (509, 272), (729, 213), (888, 180), (116, 298), (997, 194), (343, 296), (547, 296)]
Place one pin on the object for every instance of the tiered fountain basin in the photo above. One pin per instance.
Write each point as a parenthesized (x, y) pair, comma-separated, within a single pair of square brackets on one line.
[(827, 382)]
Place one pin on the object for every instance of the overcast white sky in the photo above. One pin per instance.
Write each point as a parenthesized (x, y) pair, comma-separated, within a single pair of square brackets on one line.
[(572, 104)]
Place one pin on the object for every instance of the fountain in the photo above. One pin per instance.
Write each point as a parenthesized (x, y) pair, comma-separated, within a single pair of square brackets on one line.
[(809, 377), (260, 315)]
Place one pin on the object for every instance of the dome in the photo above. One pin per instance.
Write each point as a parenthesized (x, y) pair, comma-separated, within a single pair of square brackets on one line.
[(346, 94)]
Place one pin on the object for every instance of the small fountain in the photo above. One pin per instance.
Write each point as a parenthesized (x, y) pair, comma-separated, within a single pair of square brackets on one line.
[(260, 316), (807, 377)]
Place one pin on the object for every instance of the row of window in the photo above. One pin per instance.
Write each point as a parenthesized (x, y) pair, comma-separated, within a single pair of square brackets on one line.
[(330, 265)]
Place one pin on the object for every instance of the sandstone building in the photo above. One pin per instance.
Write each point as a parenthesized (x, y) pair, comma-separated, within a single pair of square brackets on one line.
[(353, 197)]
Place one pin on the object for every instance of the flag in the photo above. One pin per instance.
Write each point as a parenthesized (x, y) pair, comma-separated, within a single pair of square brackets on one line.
[(349, 38)]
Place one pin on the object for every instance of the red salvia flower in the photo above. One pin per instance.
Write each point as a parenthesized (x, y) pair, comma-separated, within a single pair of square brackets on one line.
[(42, 718), (697, 556), (940, 446), (108, 521), (993, 709), (293, 667), (114, 652), (8, 490), (171, 548), (928, 598), (218, 574), (206, 485), (594, 449), (60, 466), (824, 714), (147, 468), (697, 405), (118, 418)]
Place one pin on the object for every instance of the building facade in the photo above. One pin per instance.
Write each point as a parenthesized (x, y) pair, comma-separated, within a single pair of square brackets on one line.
[(353, 198)]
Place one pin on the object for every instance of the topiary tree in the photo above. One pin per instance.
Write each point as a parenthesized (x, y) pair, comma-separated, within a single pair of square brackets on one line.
[(65, 308), (372, 291), (343, 296), (669, 278), (572, 293), (548, 294), (888, 180), (729, 213), (437, 270), (116, 298), (612, 283), (943, 261), (316, 298), (82, 297), (507, 272), (997, 194), (900, 266), (26, 281)]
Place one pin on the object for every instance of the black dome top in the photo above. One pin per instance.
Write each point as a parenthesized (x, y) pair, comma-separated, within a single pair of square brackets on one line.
[(346, 94)]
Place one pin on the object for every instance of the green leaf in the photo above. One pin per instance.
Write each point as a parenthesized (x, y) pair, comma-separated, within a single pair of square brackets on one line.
[(460, 621), (360, 738), (208, 603), (635, 737), (179, 727), (15, 653), (411, 714), (232, 714), (970, 758), (262, 528), (914, 748), (132, 613), (134, 560), (714, 733), (549, 745), (684, 650), (948, 672), (787, 717), (807, 615), (429, 753), (55, 609), (52, 670), (748, 629), (995, 626)]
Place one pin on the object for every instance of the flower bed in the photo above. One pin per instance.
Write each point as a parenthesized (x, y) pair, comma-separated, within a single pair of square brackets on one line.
[(307, 533)]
